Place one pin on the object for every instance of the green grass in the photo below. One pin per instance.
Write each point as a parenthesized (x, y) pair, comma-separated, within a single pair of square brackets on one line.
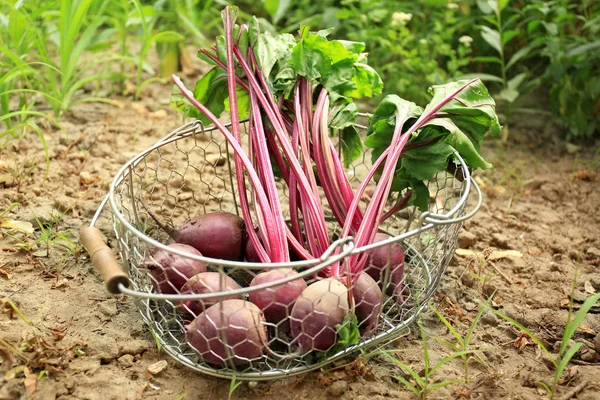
[(423, 383), (566, 352)]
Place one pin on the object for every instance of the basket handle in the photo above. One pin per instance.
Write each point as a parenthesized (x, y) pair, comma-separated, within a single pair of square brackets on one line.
[(103, 259)]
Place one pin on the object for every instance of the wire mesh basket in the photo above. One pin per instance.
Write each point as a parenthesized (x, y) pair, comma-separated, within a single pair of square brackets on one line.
[(189, 173)]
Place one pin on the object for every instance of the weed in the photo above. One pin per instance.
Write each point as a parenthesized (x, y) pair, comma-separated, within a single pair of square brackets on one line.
[(463, 342), (146, 17), (565, 353), (420, 383), (233, 385)]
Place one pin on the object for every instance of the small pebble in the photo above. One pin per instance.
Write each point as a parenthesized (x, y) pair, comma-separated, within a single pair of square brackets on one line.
[(589, 355), (37, 191), (252, 384), (160, 114), (85, 177), (157, 367)]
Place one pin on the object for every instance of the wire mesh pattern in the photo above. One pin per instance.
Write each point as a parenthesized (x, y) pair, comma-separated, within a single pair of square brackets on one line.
[(234, 322)]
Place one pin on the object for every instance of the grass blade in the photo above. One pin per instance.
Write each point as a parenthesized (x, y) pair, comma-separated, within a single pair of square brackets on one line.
[(527, 331), (408, 384), (450, 327), (443, 384), (579, 317), (451, 357), (405, 368)]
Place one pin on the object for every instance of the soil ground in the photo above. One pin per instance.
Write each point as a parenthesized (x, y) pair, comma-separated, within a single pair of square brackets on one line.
[(75, 341)]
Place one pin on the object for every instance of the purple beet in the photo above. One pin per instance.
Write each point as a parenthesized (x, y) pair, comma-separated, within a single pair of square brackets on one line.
[(206, 282), (219, 235), (276, 302), (171, 271), (237, 324), (387, 258), (367, 303)]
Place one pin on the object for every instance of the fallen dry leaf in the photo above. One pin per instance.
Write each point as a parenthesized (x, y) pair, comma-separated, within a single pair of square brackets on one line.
[(586, 329), (584, 175), (587, 286), (4, 273), (21, 226), (30, 384), (465, 253), (522, 341), (498, 254)]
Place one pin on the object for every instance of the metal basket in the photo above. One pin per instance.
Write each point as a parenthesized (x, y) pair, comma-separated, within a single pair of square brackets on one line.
[(189, 172)]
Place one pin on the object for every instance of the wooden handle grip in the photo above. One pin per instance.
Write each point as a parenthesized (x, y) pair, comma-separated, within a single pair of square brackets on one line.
[(103, 259)]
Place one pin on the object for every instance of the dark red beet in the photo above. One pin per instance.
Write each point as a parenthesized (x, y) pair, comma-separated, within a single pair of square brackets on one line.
[(276, 302), (205, 282), (171, 271), (218, 235), (367, 303), (239, 322), (381, 259)]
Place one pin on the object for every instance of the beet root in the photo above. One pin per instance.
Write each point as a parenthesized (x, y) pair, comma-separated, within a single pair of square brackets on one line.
[(170, 271), (205, 282), (238, 323), (387, 258), (367, 303), (276, 302), (217, 235), (317, 311)]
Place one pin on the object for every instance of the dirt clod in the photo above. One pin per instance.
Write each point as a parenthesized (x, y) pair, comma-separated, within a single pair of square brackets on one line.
[(593, 251), (104, 347), (134, 346), (64, 203), (466, 239), (500, 240), (126, 360), (338, 388)]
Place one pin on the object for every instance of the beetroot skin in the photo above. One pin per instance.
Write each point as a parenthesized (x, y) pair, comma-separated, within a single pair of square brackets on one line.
[(240, 323), (367, 303), (387, 257), (276, 302), (320, 308), (205, 282), (218, 235), (171, 271)]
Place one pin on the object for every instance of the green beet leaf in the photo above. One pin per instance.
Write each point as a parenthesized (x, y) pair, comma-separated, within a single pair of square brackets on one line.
[(459, 125)]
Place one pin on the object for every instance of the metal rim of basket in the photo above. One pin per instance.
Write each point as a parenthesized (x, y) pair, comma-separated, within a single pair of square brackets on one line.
[(429, 220)]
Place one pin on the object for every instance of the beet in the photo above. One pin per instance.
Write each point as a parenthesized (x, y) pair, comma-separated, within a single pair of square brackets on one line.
[(384, 258), (219, 235), (216, 235), (319, 309), (239, 322), (276, 302), (206, 282), (367, 303), (171, 271)]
